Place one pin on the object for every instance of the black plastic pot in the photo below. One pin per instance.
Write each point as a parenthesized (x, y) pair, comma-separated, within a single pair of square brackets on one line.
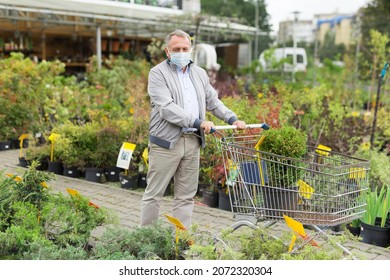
[(224, 200), (211, 198), (128, 182), (56, 167), (15, 143), (112, 173), (23, 162), (94, 174), (5, 145), (375, 234), (72, 172), (354, 230), (142, 180)]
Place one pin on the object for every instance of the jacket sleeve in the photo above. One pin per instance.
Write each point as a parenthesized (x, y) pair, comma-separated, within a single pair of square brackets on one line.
[(161, 98)]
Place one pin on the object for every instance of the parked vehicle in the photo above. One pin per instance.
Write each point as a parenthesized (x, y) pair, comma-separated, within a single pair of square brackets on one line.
[(281, 59), (205, 56)]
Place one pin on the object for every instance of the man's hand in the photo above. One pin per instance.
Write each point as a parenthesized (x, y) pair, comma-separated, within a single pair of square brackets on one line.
[(206, 126), (240, 124)]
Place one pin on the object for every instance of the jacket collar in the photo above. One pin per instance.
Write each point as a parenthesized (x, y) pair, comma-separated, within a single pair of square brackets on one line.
[(173, 66)]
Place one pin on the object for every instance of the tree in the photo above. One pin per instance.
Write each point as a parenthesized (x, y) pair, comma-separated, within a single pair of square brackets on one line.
[(376, 15), (329, 49), (239, 9), (244, 12)]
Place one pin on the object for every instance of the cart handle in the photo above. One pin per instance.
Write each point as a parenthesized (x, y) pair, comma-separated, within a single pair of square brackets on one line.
[(224, 127)]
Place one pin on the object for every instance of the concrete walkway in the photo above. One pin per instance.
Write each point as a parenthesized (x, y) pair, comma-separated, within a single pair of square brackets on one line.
[(127, 205)]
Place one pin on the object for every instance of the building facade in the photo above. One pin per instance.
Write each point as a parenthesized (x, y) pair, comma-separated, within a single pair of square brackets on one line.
[(74, 30)]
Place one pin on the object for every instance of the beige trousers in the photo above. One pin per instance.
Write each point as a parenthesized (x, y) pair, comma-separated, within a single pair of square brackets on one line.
[(181, 163)]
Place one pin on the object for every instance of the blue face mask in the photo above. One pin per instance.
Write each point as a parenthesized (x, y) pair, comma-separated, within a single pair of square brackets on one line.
[(181, 59)]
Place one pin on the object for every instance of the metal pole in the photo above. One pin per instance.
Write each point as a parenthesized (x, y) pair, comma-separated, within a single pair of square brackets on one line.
[(98, 47), (257, 29), (295, 45), (315, 55), (381, 77)]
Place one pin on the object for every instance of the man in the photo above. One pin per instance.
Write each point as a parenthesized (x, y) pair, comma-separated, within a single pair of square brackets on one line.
[(180, 94)]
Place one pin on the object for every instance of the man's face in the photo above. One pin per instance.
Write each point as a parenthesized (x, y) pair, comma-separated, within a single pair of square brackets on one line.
[(178, 44)]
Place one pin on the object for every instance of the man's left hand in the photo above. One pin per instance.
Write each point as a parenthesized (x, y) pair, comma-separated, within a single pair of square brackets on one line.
[(240, 124)]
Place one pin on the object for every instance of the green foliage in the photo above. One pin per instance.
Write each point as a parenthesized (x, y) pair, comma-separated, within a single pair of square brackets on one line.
[(286, 141), (22, 84), (43, 249), (329, 49), (379, 167), (70, 220), (142, 243), (378, 205), (38, 225), (255, 244), (238, 9)]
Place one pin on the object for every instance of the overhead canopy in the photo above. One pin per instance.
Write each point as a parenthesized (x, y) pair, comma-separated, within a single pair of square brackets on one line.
[(115, 18)]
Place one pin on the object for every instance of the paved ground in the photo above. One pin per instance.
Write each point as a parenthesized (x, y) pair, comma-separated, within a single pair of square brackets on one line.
[(127, 205)]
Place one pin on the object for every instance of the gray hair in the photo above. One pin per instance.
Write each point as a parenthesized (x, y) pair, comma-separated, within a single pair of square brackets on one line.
[(179, 33)]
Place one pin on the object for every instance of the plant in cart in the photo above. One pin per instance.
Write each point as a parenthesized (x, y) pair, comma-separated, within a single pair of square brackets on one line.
[(281, 151)]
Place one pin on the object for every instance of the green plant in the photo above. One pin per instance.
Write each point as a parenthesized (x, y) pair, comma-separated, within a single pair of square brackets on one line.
[(38, 153), (355, 223), (35, 224), (377, 206), (141, 243), (286, 141), (281, 150)]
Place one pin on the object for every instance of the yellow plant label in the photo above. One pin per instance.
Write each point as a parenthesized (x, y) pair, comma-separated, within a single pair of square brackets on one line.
[(323, 150), (305, 190), (53, 137), (175, 221), (145, 156), (23, 136)]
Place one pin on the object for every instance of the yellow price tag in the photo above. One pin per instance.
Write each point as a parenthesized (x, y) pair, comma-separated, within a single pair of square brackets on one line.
[(21, 138), (304, 189), (145, 156), (175, 221), (323, 150), (53, 137)]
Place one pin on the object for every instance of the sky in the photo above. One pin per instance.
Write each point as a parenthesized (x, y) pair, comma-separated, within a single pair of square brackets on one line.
[(280, 10)]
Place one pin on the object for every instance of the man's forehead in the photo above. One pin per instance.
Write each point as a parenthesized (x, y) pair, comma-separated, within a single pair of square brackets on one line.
[(179, 39)]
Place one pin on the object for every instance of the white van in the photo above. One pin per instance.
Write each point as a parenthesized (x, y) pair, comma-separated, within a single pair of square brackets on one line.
[(205, 56), (270, 58)]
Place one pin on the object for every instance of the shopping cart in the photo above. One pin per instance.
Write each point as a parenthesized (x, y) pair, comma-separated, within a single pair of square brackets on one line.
[(323, 188)]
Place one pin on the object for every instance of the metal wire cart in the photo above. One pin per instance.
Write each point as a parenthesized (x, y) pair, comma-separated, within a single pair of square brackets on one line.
[(324, 188)]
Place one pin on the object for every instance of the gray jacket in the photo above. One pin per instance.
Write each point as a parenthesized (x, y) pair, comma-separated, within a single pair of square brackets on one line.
[(167, 117)]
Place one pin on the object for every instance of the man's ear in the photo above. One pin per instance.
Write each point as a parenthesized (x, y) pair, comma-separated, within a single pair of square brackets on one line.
[(167, 53)]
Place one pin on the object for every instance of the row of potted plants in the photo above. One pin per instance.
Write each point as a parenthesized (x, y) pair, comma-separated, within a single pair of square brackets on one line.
[(89, 149)]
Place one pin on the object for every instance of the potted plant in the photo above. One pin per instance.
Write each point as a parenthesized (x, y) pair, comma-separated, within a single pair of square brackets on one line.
[(374, 229), (354, 227), (39, 153), (280, 169), (5, 130), (108, 144), (129, 177), (70, 157), (211, 192)]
